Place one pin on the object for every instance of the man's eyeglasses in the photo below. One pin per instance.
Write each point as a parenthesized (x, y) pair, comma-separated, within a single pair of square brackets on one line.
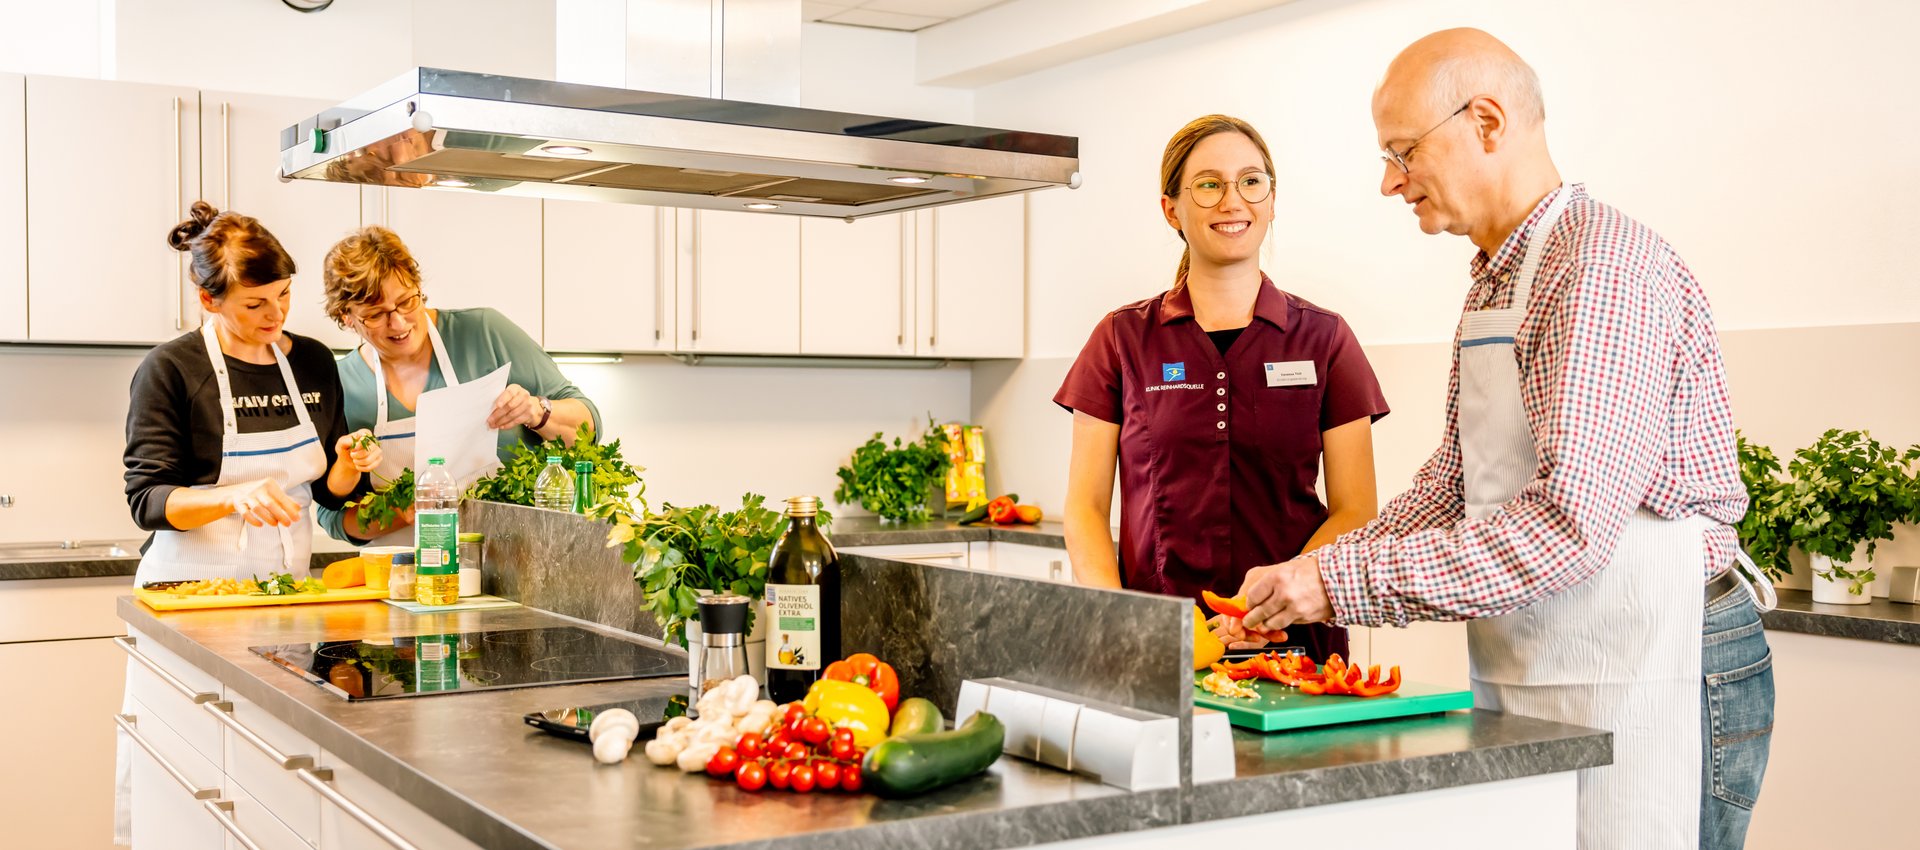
[(1398, 159), (1253, 187), (405, 305)]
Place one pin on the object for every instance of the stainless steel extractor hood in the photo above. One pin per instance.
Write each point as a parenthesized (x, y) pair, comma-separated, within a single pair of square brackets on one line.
[(459, 131)]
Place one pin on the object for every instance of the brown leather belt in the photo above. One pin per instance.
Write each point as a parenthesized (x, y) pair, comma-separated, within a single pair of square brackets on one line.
[(1721, 585)]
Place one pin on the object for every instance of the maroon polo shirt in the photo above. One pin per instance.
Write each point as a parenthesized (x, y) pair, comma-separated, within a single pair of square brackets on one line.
[(1219, 454)]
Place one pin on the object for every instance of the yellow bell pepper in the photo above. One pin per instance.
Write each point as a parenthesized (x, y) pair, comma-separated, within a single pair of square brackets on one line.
[(845, 704)]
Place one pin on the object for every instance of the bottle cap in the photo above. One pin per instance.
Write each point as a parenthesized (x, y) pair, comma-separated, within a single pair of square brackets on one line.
[(403, 557), (436, 461), (803, 506), (472, 537), (553, 458), (723, 615)]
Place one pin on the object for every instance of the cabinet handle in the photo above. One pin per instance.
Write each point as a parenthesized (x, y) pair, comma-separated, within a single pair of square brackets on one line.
[(197, 697), (222, 811), (126, 723), (696, 276), (905, 253), (223, 712), (931, 556), (179, 209), (226, 155), (317, 779), (1054, 569), (659, 269), (933, 332)]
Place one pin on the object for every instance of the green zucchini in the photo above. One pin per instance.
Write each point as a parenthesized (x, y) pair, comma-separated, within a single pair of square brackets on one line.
[(906, 765), (980, 513), (917, 715)]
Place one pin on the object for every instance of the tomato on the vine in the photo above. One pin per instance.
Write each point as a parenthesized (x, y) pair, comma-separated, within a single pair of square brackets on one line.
[(750, 746), (724, 762), (751, 776), (813, 730), (827, 774), (779, 774), (801, 778)]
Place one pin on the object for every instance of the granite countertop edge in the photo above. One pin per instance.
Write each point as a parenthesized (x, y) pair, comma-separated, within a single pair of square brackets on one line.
[(1881, 620)]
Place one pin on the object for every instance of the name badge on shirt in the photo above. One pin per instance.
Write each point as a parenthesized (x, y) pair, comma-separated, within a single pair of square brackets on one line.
[(1291, 373)]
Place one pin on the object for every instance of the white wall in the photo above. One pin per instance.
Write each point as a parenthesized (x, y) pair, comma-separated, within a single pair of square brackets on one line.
[(705, 433)]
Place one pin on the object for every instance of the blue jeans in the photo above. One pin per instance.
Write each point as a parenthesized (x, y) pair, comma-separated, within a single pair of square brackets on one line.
[(1736, 718)]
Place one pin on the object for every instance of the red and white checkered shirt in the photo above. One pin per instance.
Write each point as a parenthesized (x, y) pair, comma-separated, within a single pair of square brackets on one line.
[(1626, 396)]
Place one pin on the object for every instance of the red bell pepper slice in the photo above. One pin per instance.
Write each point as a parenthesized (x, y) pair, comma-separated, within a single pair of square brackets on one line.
[(1374, 689), (1235, 607), (1234, 672)]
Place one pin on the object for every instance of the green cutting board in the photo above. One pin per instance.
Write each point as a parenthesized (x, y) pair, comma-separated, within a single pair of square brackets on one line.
[(1280, 707)]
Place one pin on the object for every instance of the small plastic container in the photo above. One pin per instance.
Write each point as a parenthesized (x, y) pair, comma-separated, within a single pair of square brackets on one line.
[(473, 548), (400, 578), (379, 561)]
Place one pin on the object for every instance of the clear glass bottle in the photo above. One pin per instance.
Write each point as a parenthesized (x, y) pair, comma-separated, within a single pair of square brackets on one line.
[(802, 605), (436, 541), (582, 486), (553, 490)]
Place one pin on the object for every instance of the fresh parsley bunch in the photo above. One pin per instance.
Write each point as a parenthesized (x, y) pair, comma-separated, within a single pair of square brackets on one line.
[(894, 482), (1849, 489), (386, 501), (613, 477)]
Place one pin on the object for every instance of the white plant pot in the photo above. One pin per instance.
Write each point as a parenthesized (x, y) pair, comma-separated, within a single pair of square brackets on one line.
[(1836, 592)]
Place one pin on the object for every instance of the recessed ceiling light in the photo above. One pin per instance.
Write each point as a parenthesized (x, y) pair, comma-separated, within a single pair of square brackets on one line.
[(908, 179), (567, 150), (452, 183), (762, 205)]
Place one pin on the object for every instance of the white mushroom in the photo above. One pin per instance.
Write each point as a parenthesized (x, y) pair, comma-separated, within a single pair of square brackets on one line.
[(694, 759), (612, 749), (617, 722), (661, 752)]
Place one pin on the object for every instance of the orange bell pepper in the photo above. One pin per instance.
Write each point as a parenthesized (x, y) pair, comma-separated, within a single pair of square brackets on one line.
[(1235, 672), (863, 669), (1235, 607), (1381, 688)]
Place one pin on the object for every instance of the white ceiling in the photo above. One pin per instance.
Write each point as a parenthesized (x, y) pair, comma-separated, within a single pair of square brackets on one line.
[(903, 15)]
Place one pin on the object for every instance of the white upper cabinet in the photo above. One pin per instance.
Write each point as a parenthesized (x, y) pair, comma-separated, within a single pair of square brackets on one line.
[(739, 279), (240, 145), (13, 207), (111, 167), (972, 281), (474, 250), (608, 285), (855, 290)]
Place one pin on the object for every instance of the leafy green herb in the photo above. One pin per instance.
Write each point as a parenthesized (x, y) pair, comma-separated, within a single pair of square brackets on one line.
[(613, 477), (1765, 532), (366, 441), (895, 482), (284, 584), (1848, 489), (680, 551), (381, 506)]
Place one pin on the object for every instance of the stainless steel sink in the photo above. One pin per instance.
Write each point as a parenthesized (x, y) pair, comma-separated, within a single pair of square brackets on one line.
[(68, 550)]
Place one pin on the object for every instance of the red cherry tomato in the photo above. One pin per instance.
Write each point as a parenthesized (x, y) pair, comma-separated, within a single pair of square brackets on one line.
[(796, 751), (778, 774), (842, 748), (750, 746), (794, 712), (843, 734), (750, 776), (778, 741), (801, 778), (827, 774), (724, 762), (851, 778), (813, 730)]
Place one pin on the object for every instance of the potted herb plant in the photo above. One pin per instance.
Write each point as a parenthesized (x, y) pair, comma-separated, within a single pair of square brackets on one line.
[(896, 482), (681, 554), (1847, 494), (1765, 532)]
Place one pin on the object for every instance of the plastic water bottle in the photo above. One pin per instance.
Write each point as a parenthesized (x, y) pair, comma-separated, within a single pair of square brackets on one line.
[(436, 540), (553, 490)]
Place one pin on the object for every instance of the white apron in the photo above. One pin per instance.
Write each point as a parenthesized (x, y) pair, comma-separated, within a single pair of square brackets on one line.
[(228, 547), (1620, 651), (397, 436)]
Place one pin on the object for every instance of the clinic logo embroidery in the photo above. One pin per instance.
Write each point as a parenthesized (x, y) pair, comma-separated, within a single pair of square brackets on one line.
[(1170, 372)]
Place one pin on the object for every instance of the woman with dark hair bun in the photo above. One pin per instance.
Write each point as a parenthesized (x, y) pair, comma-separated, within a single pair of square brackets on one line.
[(221, 459)]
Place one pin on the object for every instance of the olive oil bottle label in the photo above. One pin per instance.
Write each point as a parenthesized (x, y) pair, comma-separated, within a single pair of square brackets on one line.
[(436, 663), (793, 626)]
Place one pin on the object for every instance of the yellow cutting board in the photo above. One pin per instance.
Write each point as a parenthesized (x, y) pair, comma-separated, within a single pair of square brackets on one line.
[(160, 600)]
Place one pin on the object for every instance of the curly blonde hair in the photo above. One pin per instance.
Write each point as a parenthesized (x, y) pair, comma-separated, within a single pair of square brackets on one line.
[(358, 266)]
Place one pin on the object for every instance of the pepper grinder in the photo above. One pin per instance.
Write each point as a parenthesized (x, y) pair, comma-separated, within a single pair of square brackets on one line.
[(723, 643)]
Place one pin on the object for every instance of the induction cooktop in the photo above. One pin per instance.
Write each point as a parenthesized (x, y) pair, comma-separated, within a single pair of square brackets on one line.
[(421, 665)]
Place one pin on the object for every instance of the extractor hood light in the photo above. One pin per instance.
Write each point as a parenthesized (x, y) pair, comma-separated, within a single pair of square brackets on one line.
[(908, 179), (452, 183), (762, 205), (567, 150)]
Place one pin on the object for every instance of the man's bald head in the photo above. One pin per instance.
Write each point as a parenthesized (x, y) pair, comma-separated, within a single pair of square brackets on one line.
[(1446, 68)]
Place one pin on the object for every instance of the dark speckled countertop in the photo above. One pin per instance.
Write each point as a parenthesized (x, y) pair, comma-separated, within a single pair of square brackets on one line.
[(469, 761), (871, 531), (1881, 620)]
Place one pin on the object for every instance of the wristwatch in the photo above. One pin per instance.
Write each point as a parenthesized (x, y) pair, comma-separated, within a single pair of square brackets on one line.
[(546, 413)]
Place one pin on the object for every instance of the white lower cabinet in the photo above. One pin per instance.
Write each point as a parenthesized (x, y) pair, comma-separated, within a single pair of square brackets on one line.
[(264, 774), (937, 554), (340, 829), (250, 823), (171, 785), (1022, 559)]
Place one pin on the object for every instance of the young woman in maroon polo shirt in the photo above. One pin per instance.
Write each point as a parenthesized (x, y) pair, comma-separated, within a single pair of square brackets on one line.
[(1217, 401)]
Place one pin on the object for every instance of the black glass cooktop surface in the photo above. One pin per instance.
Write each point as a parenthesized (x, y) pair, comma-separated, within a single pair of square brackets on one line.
[(420, 665)]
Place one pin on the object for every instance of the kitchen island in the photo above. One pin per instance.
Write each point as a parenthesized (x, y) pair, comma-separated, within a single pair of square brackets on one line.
[(462, 769)]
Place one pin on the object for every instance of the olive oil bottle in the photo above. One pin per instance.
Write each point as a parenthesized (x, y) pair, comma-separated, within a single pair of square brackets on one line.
[(802, 605)]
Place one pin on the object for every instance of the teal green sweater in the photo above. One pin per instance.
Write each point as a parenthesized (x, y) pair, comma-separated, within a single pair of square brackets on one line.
[(479, 340)]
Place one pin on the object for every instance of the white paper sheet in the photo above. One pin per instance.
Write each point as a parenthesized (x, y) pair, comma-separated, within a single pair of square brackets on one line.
[(451, 423)]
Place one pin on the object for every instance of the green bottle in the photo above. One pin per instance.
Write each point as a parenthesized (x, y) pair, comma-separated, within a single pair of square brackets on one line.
[(582, 486)]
